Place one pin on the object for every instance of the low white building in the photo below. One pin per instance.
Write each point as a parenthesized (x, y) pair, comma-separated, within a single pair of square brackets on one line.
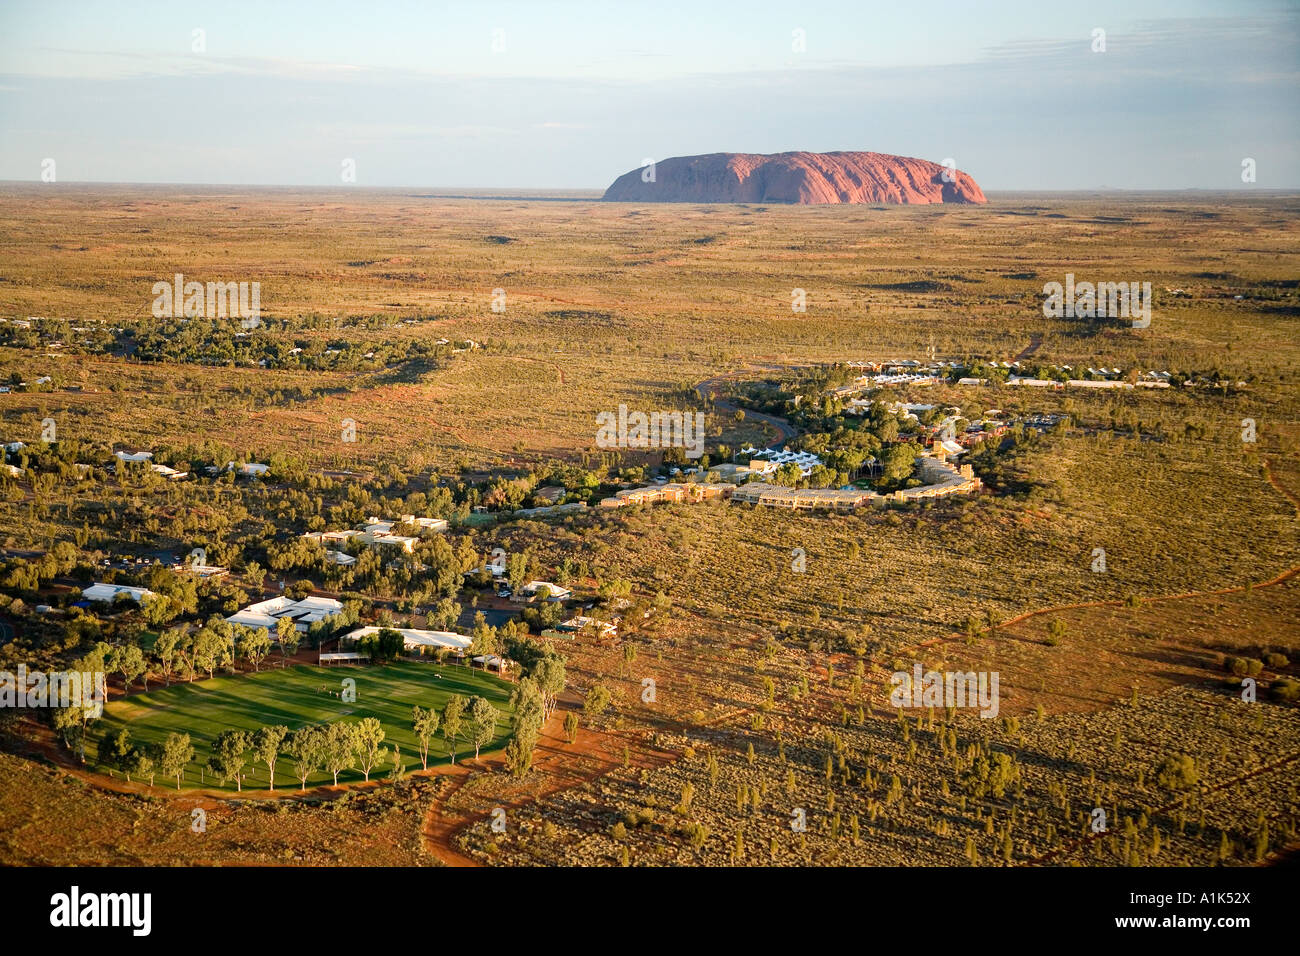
[(109, 593), (492, 662), (556, 593), (424, 524), (582, 622), (133, 456), (496, 570), (304, 613), (414, 638), (376, 533), (250, 469)]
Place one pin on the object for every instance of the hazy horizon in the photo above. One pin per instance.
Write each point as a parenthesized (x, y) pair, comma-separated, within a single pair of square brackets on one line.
[(442, 191), (570, 95)]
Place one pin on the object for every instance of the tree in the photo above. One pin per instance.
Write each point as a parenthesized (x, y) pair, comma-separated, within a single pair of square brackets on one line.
[(445, 612), (286, 634), (597, 700), (210, 649), (550, 675), (519, 753), (73, 722), (788, 475), (229, 756), (254, 645), (383, 644), (255, 575), (483, 638), (526, 722), (340, 748), (571, 726), (483, 722), (452, 712), (425, 724), (897, 462), (1177, 772), (266, 744), (177, 752), (144, 762), (517, 570), (529, 710), (185, 657), (115, 751), (366, 739), (127, 660), (307, 747), (166, 649)]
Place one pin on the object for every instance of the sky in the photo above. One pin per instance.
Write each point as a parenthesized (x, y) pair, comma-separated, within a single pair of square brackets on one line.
[(569, 95)]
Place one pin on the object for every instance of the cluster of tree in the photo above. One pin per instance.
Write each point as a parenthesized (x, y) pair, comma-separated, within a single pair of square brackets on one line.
[(226, 341), (382, 645), (218, 644), (80, 336), (178, 652), (170, 758), (473, 720), (333, 747), (25, 577), (432, 572), (535, 697)]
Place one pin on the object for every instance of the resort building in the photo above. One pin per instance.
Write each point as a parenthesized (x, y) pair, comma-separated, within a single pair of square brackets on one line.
[(414, 639), (530, 591), (802, 499), (942, 478), (582, 622), (304, 613), (109, 593), (673, 492)]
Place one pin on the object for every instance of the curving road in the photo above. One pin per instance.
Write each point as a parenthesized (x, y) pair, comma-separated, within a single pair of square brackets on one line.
[(708, 390)]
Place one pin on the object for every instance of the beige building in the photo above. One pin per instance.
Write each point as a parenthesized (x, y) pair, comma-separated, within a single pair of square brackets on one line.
[(942, 478), (670, 492)]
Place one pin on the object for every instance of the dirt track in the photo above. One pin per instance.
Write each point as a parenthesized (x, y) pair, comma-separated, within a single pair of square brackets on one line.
[(1279, 578)]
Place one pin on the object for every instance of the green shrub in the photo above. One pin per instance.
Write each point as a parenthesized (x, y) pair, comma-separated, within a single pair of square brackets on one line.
[(1176, 772), (1285, 688), (1244, 666)]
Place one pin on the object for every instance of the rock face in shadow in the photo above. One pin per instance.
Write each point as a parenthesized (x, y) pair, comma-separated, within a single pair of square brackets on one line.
[(810, 178)]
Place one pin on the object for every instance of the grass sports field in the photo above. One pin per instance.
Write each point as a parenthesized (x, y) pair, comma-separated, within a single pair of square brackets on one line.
[(294, 697)]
